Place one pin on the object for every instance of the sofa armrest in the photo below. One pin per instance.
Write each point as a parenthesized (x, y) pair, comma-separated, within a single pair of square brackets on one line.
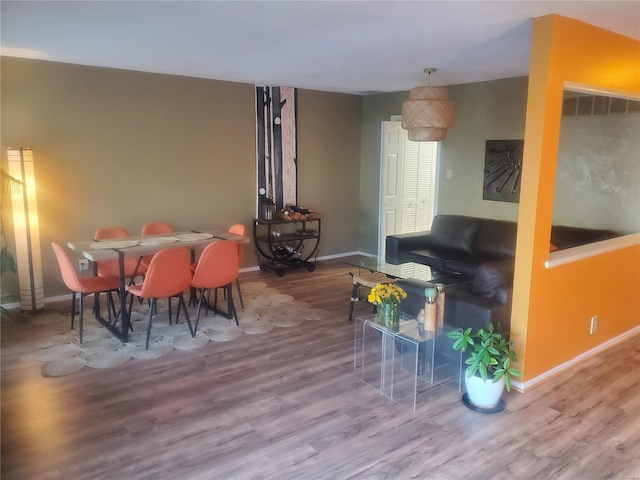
[(415, 295), (394, 244), (464, 309)]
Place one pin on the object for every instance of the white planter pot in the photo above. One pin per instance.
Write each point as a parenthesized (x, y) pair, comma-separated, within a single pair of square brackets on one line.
[(483, 394)]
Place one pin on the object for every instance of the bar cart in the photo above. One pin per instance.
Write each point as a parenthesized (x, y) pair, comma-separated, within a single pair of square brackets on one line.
[(282, 245)]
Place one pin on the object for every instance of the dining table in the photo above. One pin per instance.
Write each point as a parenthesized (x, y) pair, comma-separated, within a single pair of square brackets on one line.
[(141, 246)]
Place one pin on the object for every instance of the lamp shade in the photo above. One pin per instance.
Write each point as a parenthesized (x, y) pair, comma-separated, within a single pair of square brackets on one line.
[(26, 231), (428, 114)]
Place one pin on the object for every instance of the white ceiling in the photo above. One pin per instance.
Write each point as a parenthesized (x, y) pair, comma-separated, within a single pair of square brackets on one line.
[(337, 46)]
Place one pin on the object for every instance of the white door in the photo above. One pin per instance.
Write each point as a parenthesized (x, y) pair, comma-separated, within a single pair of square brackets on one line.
[(407, 183), (391, 179)]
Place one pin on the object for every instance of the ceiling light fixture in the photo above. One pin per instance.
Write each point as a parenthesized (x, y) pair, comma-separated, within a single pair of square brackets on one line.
[(428, 113)]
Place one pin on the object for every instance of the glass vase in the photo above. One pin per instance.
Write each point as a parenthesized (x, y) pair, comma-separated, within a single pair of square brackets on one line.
[(388, 314)]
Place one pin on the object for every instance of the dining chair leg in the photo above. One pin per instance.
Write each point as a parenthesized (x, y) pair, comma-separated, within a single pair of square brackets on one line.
[(231, 307), (170, 312), (186, 314), (113, 307), (206, 312), (81, 319), (108, 307), (131, 307), (96, 304), (117, 314), (199, 308), (153, 302), (73, 309), (192, 296), (239, 292), (178, 313)]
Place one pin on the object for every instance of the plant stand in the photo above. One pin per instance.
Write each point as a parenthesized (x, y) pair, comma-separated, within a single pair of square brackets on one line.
[(467, 403)]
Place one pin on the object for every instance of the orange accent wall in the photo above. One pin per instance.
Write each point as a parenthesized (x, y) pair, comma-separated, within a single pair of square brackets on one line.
[(552, 308)]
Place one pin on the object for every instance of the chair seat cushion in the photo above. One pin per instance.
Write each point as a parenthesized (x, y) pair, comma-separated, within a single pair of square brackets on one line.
[(111, 268), (98, 284)]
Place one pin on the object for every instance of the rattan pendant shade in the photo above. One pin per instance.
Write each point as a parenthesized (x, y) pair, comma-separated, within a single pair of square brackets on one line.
[(428, 113)]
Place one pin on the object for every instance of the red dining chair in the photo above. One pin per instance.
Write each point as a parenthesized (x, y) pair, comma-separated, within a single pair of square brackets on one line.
[(169, 275), (154, 228), (217, 268), (239, 229), (84, 286), (111, 268)]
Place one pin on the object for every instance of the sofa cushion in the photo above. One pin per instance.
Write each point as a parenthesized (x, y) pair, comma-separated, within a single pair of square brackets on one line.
[(454, 232), (496, 239), (466, 265), (491, 276), (463, 309), (566, 237)]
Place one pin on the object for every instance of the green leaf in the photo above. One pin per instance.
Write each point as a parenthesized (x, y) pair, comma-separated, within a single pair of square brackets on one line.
[(455, 335), (507, 383), (514, 372), (483, 372)]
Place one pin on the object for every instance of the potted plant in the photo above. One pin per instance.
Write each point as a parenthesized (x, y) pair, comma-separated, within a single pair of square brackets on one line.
[(490, 364)]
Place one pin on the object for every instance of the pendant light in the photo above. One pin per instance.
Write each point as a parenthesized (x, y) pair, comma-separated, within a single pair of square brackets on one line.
[(428, 113)]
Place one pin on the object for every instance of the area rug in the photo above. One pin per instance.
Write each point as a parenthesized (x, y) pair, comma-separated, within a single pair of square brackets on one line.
[(60, 352)]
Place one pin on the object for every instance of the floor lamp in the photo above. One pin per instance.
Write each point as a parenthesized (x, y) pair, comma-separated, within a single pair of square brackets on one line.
[(26, 232)]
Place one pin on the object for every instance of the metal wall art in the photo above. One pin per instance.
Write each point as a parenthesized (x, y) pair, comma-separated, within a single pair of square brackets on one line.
[(502, 170)]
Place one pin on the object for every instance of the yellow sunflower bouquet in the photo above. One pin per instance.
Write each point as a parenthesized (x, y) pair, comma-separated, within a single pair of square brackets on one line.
[(387, 298), (384, 293)]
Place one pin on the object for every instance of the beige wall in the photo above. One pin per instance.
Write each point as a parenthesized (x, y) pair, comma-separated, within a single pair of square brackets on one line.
[(116, 147), (492, 110)]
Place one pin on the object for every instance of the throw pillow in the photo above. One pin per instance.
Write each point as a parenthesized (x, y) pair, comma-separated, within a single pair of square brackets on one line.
[(491, 276)]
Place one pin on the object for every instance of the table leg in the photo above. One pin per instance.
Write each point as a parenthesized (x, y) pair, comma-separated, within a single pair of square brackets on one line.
[(124, 315)]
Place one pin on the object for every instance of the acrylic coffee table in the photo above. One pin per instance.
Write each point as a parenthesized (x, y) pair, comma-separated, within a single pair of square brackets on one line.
[(404, 360), (373, 270)]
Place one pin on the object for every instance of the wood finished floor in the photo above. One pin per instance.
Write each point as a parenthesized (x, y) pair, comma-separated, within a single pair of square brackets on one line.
[(288, 405)]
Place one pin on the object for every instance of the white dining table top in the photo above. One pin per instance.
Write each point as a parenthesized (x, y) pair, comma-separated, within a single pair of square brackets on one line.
[(85, 248)]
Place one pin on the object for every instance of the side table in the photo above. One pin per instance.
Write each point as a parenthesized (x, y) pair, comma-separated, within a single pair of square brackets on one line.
[(398, 360)]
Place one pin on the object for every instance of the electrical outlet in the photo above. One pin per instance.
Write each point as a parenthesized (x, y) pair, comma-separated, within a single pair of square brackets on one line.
[(594, 324), (83, 264)]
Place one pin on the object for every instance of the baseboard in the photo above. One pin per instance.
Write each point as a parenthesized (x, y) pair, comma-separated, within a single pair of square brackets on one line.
[(523, 386), (346, 254)]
